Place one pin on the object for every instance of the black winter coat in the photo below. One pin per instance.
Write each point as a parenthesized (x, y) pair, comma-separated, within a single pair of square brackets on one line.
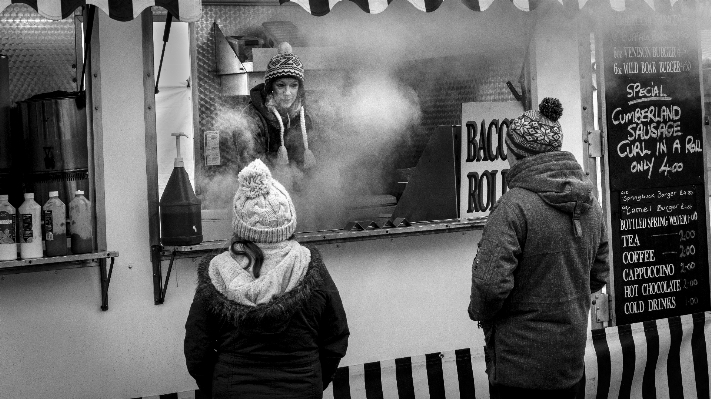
[(289, 347)]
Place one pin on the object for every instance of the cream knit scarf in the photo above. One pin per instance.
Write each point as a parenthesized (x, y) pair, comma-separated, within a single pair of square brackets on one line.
[(284, 266)]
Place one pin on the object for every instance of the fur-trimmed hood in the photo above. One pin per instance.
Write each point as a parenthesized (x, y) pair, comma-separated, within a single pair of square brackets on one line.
[(270, 317)]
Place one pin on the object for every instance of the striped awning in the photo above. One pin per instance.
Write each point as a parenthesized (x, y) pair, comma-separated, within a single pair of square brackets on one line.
[(120, 10), (323, 7)]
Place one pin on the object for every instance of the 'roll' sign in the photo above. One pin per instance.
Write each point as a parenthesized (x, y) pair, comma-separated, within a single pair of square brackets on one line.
[(483, 154)]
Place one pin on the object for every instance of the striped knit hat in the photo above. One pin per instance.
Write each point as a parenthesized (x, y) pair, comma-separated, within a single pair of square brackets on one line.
[(263, 211), (536, 132), (284, 65)]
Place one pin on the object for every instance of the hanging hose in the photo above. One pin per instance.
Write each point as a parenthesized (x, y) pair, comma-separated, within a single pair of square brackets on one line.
[(91, 9), (166, 35)]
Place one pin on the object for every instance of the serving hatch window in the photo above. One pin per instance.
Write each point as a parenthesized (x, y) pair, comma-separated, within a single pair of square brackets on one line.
[(375, 92)]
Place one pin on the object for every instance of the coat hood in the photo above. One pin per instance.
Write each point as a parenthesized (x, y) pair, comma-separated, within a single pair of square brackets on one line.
[(270, 317), (558, 180)]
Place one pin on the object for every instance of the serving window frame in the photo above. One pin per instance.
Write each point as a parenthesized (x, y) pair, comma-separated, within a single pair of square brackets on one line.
[(161, 254)]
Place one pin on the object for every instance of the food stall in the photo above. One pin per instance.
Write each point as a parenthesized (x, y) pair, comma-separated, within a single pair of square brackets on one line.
[(405, 285)]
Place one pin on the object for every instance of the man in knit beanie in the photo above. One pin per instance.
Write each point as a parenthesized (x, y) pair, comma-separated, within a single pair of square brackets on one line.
[(543, 251)]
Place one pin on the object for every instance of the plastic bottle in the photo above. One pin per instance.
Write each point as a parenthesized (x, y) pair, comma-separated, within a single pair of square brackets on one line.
[(8, 230), (30, 236), (80, 224), (180, 214), (54, 214)]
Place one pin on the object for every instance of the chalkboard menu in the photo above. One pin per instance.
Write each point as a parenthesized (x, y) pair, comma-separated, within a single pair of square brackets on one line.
[(660, 254), (653, 101), (653, 113)]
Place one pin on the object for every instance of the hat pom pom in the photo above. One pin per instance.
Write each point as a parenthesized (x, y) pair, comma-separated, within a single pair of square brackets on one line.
[(282, 156), (284, 48), (551, 108), (309, 159), (254, 179)]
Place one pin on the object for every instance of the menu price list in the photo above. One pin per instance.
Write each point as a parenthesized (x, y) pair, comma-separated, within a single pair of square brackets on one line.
[(660, 257)]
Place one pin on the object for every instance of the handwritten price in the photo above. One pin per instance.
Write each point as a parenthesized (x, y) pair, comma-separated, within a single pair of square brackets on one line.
[(687, 267), (687, 251), (690, 283), (686, 235)]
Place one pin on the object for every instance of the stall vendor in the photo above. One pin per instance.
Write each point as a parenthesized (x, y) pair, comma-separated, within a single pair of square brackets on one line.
[(273, 126), (277, 108)]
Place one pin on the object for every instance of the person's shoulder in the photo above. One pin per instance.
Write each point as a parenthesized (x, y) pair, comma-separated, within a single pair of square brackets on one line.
[(517, 196), (318, 270)]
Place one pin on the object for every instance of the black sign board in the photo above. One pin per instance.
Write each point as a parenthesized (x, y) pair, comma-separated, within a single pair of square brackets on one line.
[(656, 166), (660, 254), (653, 101)]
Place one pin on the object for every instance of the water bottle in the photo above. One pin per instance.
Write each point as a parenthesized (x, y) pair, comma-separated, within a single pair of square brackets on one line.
[(80, 225), (54, 214), (8, 230), (30, 228)]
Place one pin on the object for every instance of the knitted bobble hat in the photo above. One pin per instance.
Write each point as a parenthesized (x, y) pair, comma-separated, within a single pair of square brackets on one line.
[(262, 208), (284, 65), (536, 132)]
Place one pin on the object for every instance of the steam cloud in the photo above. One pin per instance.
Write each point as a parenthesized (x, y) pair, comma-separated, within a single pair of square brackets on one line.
[(359, 129)]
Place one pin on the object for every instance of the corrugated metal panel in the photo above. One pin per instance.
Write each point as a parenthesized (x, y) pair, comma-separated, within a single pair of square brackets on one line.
[(232, 20), (41, 52)]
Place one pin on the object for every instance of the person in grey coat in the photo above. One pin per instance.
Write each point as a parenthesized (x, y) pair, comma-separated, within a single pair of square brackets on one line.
[(544, 250)]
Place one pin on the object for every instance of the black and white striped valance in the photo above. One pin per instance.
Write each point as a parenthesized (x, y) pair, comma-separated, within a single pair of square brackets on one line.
[(121, 10), (666, 358), (323, 7)]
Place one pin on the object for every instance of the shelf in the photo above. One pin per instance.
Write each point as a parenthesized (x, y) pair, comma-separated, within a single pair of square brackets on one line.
[(365, 230), (340, 235), (66, 262)]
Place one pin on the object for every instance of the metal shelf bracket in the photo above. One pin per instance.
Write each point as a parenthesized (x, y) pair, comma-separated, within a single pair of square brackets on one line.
[(54, 263), (160, 286), (105, 281)]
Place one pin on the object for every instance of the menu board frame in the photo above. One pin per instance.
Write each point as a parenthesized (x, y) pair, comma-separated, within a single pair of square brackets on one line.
[(620, 177)]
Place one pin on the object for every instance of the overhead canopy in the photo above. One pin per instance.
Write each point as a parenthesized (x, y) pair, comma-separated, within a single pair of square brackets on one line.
[(120, 10), (322, 7)]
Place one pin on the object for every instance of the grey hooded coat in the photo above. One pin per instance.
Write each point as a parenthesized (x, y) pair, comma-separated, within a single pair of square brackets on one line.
[(543, 252)]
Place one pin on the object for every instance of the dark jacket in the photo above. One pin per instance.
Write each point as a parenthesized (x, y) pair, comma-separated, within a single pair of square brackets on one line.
[(289, 347), (268, 133), (543, 252)]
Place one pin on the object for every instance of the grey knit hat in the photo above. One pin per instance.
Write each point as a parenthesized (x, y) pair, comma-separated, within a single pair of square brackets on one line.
[(262, 209), (536, 132)]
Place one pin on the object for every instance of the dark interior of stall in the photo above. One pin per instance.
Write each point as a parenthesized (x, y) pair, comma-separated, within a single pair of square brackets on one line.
[(369, 159)]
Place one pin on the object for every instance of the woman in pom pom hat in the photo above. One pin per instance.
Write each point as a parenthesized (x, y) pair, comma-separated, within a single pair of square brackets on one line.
[(277, 119), (267, 320), (543, 251)]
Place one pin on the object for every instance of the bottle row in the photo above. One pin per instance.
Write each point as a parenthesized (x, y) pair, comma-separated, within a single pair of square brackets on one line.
[(35, 231)]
